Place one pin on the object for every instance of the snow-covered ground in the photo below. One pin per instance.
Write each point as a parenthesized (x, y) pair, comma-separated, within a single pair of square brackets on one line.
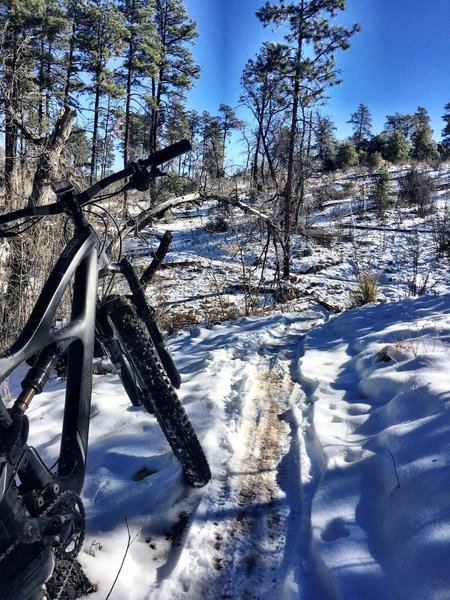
[(328, 435)]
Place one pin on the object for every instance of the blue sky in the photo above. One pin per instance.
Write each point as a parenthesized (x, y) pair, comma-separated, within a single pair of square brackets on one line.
[(400, 60)]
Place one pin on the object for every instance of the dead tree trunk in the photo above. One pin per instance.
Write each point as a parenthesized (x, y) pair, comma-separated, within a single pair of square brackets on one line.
[(22, 250), (48, 166)]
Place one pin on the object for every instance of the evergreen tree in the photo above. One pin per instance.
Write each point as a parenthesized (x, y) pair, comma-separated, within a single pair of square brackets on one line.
[(396, 147), (175, 67), (100, 36), (325, 141), (311, 43), (446, 131), (265, 96), (19, 21), (362, 126), (381, 191), (212, 146), (140, 40), (71, 60), (423, 146), (53, 39), (195, 134), (346, 155), (228, 121), (398, 123)]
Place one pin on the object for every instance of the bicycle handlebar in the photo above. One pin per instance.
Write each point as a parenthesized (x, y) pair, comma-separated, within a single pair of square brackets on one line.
[(138, 168), (166, 154)]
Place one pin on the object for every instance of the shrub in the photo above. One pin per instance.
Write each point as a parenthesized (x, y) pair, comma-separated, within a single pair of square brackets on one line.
[(381, 191), (416, 190), (373, 161), (327, 192), (441, 233), (366, 291), (216, 225)]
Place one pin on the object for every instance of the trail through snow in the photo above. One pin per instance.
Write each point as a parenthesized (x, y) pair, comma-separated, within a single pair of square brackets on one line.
[(328, 444), (236, 538)]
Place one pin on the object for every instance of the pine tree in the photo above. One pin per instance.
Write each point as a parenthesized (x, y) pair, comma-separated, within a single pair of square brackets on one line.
[(175, 67), (228, 121), (362, 126), (100, 33), (139, 58), (346, 155), (396, 147), (398, 123), (325, 141), (194, 133), (446, 130), (423, 146), (265, 95), (381, 191), (53, 40), (212, 146), (71, 60), (19, 21), (311, 43)]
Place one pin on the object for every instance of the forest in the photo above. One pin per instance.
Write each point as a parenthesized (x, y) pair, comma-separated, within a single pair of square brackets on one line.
[(86, 86)]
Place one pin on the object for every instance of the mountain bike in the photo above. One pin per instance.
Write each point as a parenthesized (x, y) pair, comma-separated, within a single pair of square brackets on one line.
[(41, 512)]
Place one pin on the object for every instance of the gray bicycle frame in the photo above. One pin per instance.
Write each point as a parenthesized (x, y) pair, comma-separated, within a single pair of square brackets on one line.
[(79, 262)]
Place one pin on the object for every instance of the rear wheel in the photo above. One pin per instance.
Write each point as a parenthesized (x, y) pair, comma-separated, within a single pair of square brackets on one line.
[(158, 395)]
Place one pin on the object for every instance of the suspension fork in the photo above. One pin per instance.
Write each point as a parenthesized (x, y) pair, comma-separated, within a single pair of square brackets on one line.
[(23, 459), (147, 315), (105, 335)]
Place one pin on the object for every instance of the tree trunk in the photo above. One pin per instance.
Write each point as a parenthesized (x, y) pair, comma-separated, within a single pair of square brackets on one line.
[(70, 65), (23, 250), (10, 162), (126, 137), (47, 169), (287, 204), (126, 140), (105, 140), (94, 149)]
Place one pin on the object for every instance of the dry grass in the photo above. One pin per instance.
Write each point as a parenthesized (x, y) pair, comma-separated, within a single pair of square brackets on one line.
[(366, 291)]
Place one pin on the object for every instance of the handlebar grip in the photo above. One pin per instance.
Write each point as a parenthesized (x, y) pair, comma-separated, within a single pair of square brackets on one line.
[(166, 154)]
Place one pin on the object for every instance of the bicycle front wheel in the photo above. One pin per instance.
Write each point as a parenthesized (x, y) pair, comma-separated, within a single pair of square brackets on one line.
[(158, 395)]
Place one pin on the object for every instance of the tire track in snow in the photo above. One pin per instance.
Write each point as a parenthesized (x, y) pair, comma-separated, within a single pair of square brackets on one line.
[(253, 544), (239, 539)]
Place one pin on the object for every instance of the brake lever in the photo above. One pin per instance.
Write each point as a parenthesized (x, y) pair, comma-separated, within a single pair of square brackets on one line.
[(141, 178)]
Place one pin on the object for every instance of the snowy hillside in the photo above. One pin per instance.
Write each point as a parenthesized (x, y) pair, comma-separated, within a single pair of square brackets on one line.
[(327, 435)]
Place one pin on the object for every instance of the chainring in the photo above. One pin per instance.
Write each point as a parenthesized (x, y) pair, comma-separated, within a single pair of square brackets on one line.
[(69, 508)]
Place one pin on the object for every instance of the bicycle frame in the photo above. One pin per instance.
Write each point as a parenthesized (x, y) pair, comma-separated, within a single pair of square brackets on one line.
[(79, 262), (41, 509)]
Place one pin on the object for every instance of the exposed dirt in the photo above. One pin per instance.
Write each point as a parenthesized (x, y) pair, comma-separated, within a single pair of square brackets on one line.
[(68, 582)]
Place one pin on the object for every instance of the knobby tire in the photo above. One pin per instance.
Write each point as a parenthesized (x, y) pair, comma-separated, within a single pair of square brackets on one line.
[(159, 396)]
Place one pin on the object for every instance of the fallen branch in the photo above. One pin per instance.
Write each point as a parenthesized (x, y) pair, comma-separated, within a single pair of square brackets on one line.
[(143, 218), (246, 208), (160, 253)]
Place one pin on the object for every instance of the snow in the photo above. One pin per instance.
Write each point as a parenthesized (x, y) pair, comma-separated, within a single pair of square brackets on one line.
[(328, 438), (380, 515)]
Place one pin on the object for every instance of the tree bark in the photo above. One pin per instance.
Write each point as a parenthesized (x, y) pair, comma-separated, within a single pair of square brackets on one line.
[(47, 169), (23, 248)]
